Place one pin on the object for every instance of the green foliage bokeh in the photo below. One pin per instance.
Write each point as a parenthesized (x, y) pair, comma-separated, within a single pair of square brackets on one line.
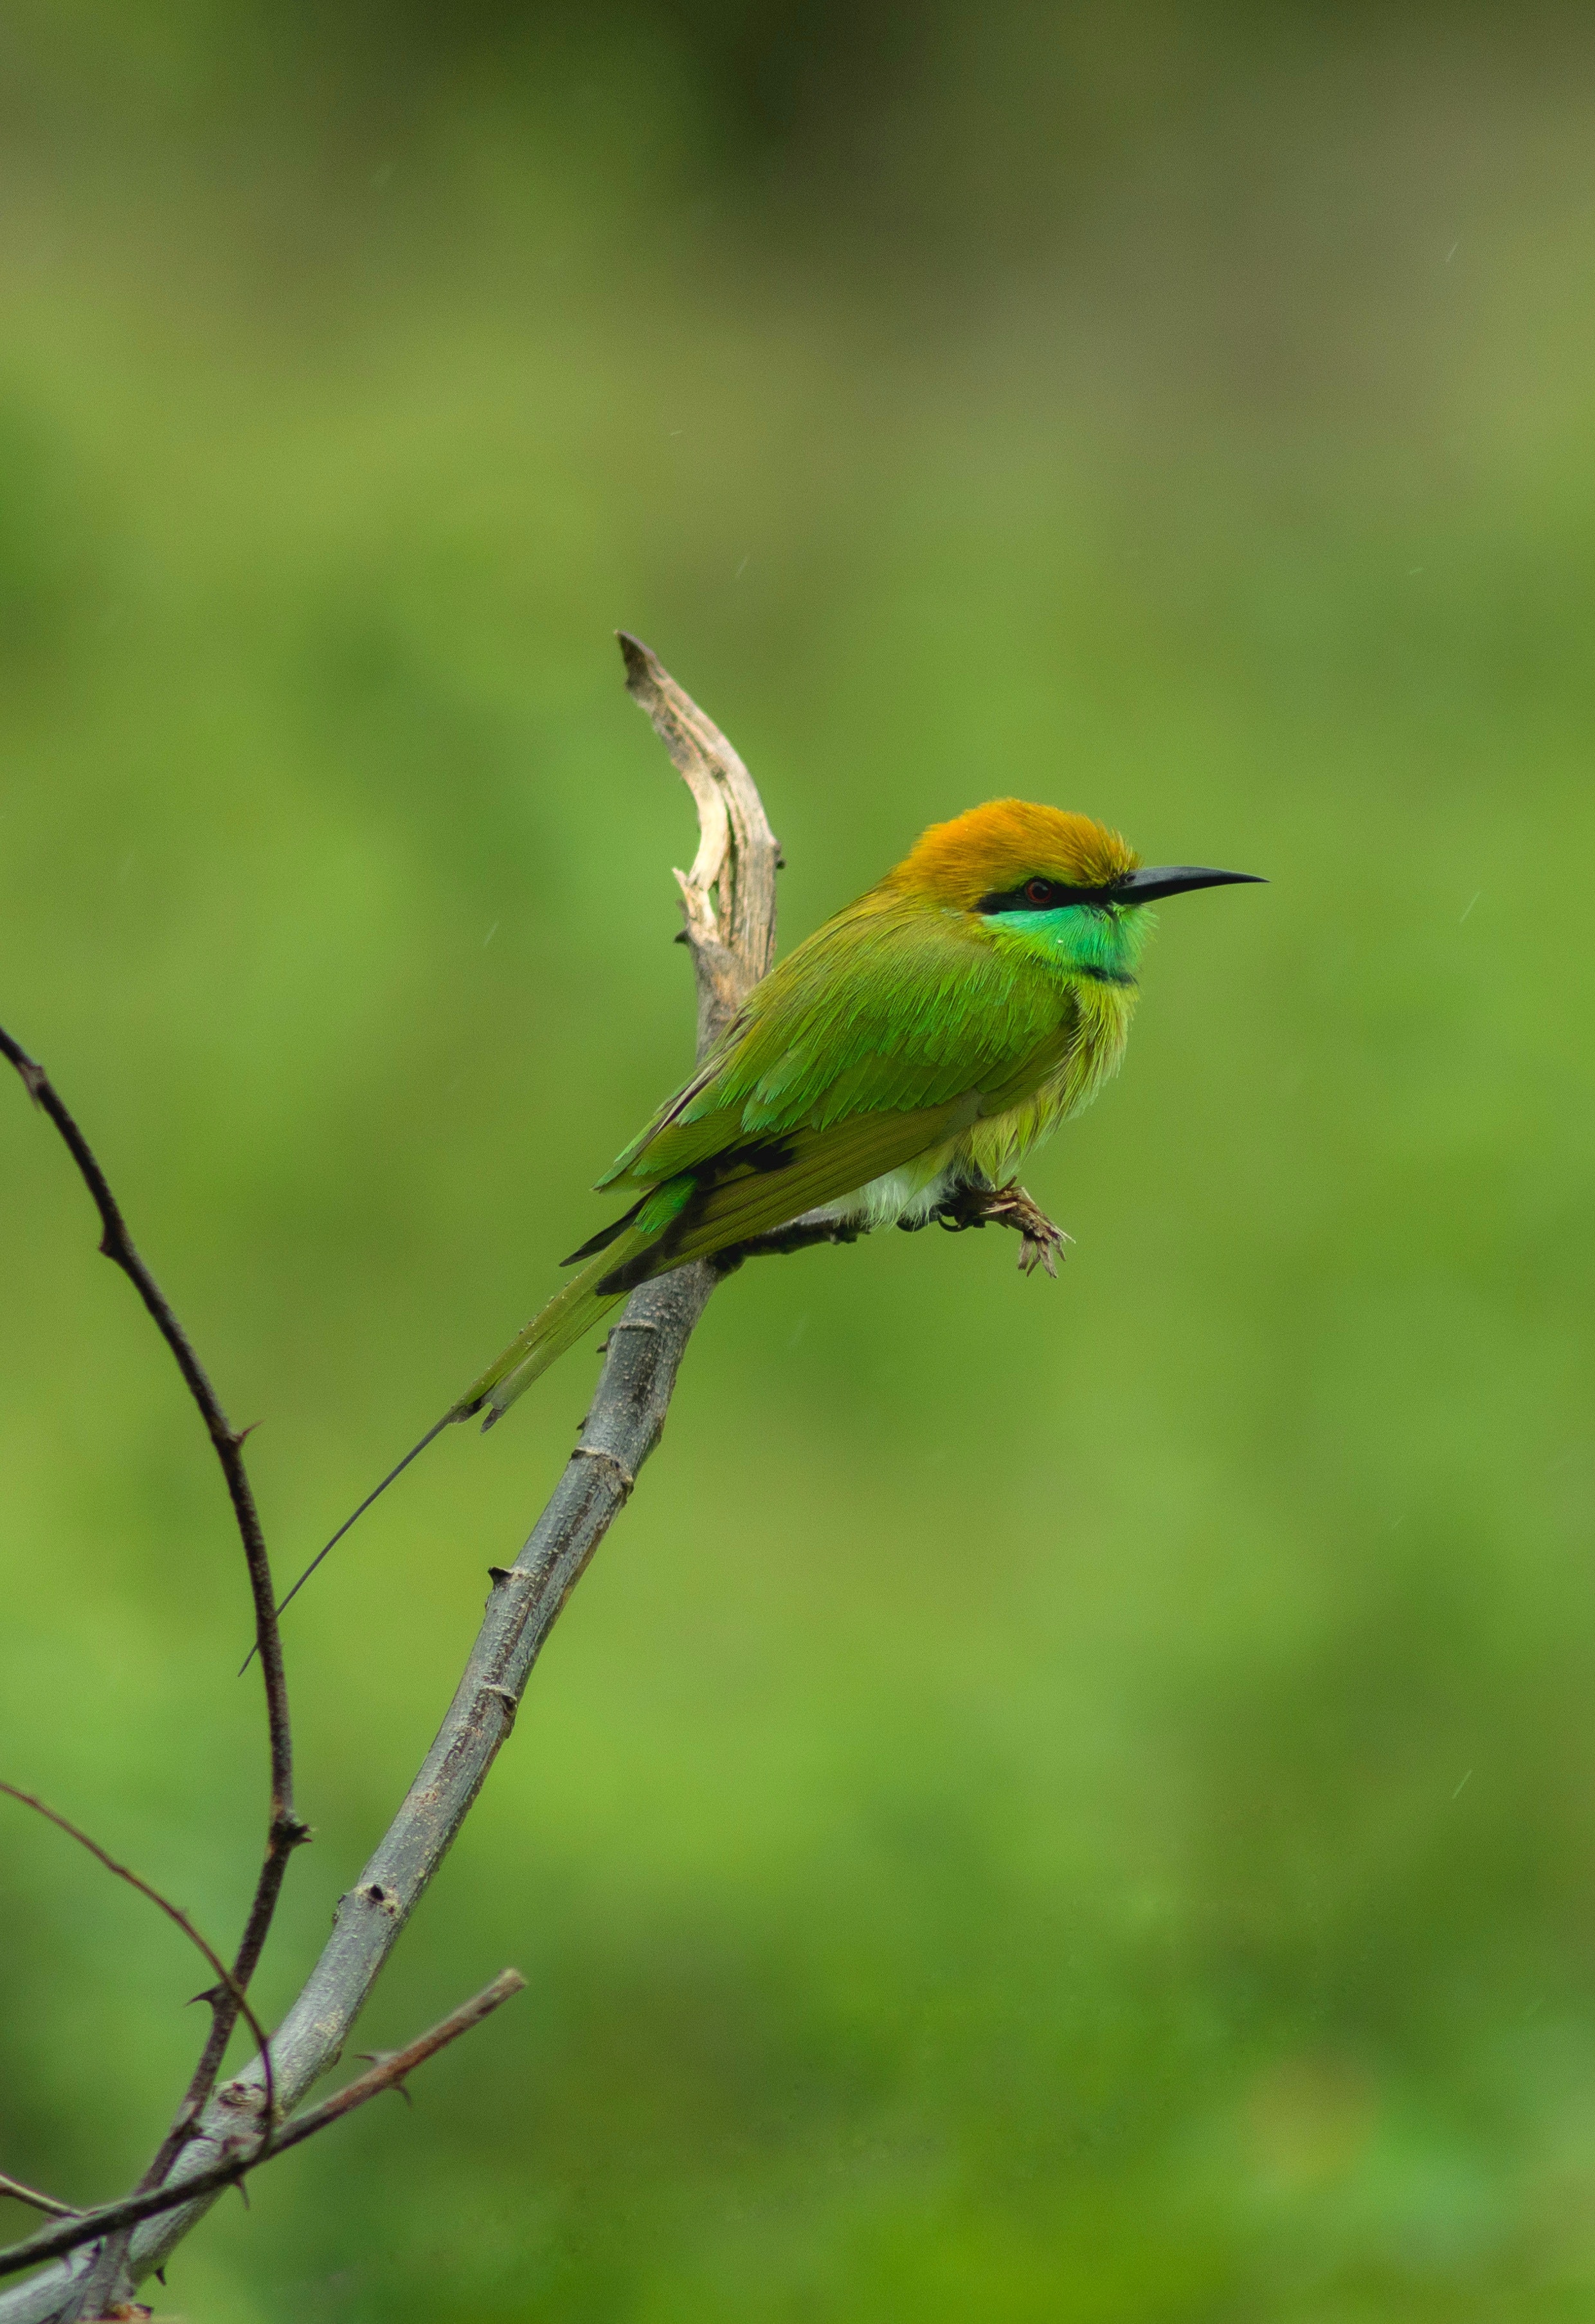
[(1056, 1801)]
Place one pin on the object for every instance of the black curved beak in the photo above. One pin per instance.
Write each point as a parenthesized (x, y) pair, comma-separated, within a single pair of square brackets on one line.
[(1175, 879)]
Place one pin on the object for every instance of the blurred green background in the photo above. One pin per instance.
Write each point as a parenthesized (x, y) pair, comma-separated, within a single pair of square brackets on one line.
[(1057, 1800)]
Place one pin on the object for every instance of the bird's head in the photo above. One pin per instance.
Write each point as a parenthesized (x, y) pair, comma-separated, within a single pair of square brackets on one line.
[(1058, 882)]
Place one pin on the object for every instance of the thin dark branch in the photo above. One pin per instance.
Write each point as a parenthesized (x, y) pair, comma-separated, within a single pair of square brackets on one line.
[(20, 2194), (224, 1977), (117, 1245), (285, 1829), (388, 2074)]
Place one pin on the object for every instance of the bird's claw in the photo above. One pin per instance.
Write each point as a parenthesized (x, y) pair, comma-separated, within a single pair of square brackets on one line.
[(1041, 1240)]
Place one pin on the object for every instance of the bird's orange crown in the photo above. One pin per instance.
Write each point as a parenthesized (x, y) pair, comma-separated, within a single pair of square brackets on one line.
[(999, 847)]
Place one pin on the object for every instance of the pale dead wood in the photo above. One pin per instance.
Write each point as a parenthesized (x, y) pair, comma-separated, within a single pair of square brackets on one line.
[(728, 896)]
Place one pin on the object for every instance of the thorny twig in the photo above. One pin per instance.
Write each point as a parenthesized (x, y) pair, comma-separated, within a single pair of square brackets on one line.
[(174, 1913), (119, 1246), (285, 1829), (387, 2074)]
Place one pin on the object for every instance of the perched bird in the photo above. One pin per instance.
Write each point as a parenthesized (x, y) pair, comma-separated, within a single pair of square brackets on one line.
[(896, 1067)]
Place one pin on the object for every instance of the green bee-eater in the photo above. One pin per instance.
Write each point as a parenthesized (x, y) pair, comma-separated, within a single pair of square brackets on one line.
[(909, 1053)]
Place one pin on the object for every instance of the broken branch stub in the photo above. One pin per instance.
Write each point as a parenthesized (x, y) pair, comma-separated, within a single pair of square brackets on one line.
[(728, 896)]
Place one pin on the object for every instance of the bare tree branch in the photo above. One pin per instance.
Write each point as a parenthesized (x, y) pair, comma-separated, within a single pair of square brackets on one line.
[(286, 1829), (224, 1977), (729, 907), (388, 2073), (20, 2194), (117, 1245)]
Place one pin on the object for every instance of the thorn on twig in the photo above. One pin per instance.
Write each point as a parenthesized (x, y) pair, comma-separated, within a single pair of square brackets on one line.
[(225, 1979), (498, 1575), (380, 2058), (240, 1435), (90, 2226)]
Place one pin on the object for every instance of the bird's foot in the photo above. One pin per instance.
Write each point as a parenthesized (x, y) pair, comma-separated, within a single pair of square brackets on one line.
[(1042, 1240)]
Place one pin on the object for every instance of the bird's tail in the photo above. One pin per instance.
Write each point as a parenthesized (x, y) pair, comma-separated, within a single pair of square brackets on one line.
[(569, 1317), (643, 1242)]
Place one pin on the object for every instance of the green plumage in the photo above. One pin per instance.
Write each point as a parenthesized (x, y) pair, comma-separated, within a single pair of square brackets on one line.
[(892, 1032)]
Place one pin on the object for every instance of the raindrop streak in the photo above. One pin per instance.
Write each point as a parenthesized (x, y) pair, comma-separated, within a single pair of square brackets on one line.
[(1472, 900), (1462, 1786), (488, 938)]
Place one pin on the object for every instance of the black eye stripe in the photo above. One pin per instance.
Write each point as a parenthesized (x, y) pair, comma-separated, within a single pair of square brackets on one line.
[(1057, 893)]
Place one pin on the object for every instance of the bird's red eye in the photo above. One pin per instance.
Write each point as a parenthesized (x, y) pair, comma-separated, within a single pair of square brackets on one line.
[(1039, 891)]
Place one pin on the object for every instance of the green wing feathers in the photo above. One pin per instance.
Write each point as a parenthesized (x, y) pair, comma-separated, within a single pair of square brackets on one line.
[(764, 1183), (883, 1010)]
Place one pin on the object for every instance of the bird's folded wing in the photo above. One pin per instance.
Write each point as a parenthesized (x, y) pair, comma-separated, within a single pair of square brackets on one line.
[(623, 1164), (755, 1189)]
